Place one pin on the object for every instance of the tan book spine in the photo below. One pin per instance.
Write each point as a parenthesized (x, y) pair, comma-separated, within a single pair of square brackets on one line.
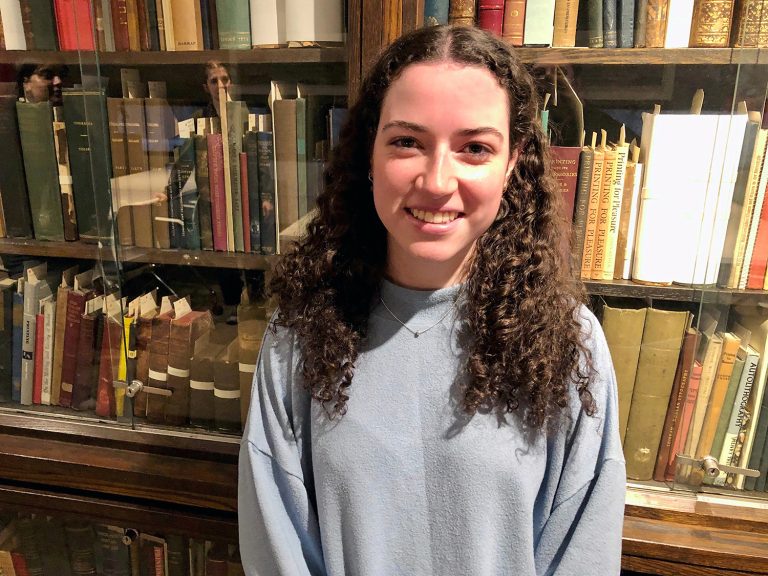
[(709, 364), (187, 25), (119, 154), (749, 26), (612, 232), (603, 214), (711, 23), (593, 207), (656, 23), (138, 164), (462, 12), (514, 22), (58, 343), (134, 41), (624, 215), (564, 35), (286, 159), (659, 352), (623, 329), (730, 348), (251, 325)]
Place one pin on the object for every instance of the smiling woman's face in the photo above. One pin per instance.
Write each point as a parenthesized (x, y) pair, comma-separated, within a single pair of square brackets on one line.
[(440, 161)]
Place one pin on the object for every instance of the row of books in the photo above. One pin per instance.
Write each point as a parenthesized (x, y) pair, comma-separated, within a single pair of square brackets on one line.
[(49, 546), (691, 391), (612, 23), (662, 213), (66, 346), (120, 25), (213, 184)]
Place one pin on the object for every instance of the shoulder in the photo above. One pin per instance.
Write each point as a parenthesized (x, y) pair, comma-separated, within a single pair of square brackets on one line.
[(602, 379)]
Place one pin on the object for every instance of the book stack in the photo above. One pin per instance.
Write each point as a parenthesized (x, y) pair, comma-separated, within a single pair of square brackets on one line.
[(173, 25), (66, 345), (611, 23), (690, 391), (38, 544)]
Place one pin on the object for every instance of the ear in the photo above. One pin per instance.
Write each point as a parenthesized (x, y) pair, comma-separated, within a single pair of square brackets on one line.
[(511, 164)]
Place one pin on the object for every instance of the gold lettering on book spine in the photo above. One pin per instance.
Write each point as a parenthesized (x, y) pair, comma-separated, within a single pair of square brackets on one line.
[(712, 23), (462, 12)]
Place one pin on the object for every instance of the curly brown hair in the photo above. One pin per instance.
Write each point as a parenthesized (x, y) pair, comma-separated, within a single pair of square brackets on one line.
[(520, 303)]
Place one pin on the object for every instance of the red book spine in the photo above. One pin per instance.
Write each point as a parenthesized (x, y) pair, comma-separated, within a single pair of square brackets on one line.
[(514, 22), (75, 309), (490, 15), (218, 204), (111, 339), (685, 423), (120, 24), (19, 564), (74, 24), (37, 382), (244, 202), (759, 262)]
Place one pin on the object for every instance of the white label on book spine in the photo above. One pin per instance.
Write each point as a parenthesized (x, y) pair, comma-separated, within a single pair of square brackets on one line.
[(226, 394), (201, 385), (155, 375), (249, 368), (178, 372)]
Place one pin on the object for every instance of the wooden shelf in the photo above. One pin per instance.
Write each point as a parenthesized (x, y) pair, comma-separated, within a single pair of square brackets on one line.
[(85, 251), (325, 55), (642, 56), (678, 293)]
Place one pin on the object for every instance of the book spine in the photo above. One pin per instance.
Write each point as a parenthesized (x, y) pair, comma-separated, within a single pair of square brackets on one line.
[(13, 188), (74, 25), (13, 25), (435, 12), (138, 165), (245, 202), (26, 22), (462, 12), (595, 23), (234, 143), (226, 396), (109, 355), (177, 405), (49, 321), (6, 345), (626, 21), (581, 204), (65, 181), (37, 380), (201, 393), (143, 337), (213, 20), (624, 214), (141, 9), (234, 24), (134, 34), (150, 7), (18, 330), (204, 192), (612, 232), (205, 22), (75, 309), (184, 169), (759, 260), (218, 204), (514, 22), (41, 169), (120, 25), (81, 390), (490, 16), (603, 215), (187, 25), (593, 209), (267, 216), (28, 342), (43, 25), (564, 35), (158, 367), (640, 25), (656, 23), (711, 23), (119, 154), (251, 147), (610, 27)]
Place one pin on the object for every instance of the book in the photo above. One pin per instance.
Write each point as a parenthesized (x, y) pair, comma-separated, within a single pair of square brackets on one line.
[(267, 201), (203, 192), (251, 171), (75, 26), (630, 204), (201, 385), (435, 12), (625, 18), (593, 208), (187, 24), (490, 15), (514, 22), (42, 25), (158, 365), (80, 544), (7, 286), (564, 33), (13, 188), (267, 23), (143, 326), (656, 23), (251, 325), (119, 154), (159, 123), (138, 166), (462, 12), (60, 323), (183, 228), (236, 125), (674, 415), (112, 551), (119, 11), (708, 354), (48, 313), (109, 360), (41, 169), (18, 328), (595, 23), (234, 24), (13, 25), (84, 389), (65, 175), (245, 202), (185, 330), (565, 168), (35, 289), (659, 352), (286, 157), (623, 328), (610, 24), (37, 379), (755, 276), (218, 197), (711, 23), (539, 23), (82, 290), (748, 28), (681, 437), (727, 404), (226, 389), (581, 204), (604, 209), (320, 21)]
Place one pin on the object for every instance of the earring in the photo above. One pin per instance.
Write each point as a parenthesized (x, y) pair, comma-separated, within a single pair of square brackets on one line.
[(370, 176)]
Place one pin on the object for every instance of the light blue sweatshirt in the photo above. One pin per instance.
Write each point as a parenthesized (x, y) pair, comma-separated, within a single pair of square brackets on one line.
[(406, 484)]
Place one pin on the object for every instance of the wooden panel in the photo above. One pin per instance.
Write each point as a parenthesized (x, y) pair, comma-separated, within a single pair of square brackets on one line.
[(636, 56), (99, 470), (413, 14), (392, 19), (656, 567), (192, 523), (354, 41), (711, 547)]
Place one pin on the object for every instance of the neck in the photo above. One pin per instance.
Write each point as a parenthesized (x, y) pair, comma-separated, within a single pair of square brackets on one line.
[(427, 275)]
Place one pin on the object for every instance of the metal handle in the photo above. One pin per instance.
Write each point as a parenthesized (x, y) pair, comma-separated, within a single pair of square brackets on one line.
[(712, 467)]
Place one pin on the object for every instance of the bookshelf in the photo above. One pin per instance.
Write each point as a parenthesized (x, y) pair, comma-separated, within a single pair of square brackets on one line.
[(160, 477)]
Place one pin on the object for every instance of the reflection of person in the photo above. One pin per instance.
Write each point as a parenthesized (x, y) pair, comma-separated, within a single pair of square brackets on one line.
[(42, 83), (433, 398), (216, 77)]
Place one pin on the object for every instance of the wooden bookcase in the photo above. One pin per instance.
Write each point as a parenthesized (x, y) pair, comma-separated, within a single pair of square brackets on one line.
[(157, 479)]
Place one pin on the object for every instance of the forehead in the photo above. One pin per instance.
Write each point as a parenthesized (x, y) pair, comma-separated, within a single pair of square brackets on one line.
[(446, 88), (217, 72)]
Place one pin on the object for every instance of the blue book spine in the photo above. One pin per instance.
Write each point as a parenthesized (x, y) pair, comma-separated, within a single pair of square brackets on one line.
[(18, 327), (435, 12)]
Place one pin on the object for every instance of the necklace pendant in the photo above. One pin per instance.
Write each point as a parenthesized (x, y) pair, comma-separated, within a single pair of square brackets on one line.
[(416, 334)]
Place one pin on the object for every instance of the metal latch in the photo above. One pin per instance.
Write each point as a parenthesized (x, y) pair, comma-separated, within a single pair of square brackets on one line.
[(712, 468), (131, 390)]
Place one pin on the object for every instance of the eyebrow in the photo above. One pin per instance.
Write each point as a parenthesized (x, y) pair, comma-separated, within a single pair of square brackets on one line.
[(413, 127)]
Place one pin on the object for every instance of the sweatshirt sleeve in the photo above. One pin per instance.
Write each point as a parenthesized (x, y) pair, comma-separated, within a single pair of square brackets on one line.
[(279, 531), (584, 508)]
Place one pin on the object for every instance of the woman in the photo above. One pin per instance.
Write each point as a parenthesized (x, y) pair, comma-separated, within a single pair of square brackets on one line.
[(433, 398)]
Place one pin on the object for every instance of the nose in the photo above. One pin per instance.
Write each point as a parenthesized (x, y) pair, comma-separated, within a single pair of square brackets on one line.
[(439, 174)]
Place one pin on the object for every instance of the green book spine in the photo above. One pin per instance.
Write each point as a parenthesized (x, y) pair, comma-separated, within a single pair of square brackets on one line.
[(725, 413), (237, 114), (85, 116), (301, 153), (6, 342), (251, 147), (42, 171), (13, 186), (43, 24), (203, 193), (234, 24)]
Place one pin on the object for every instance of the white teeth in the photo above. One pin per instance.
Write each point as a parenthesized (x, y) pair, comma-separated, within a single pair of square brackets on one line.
[(434, 217)]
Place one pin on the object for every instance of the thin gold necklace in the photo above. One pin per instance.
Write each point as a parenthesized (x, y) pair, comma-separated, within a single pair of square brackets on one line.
[(417, 333)]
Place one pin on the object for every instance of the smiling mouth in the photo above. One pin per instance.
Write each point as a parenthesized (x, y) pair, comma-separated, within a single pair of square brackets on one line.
[(433, 217)]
